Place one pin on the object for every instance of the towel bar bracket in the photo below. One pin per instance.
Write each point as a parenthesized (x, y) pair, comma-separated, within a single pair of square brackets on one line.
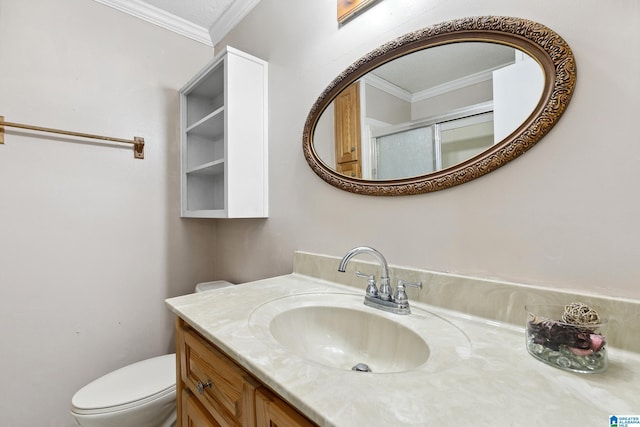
[(138, 147)]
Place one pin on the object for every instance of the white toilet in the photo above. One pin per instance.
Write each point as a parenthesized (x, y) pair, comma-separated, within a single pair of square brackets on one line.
[(142, 394)]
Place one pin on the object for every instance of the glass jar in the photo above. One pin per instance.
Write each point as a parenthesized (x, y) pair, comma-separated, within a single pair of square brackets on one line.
[(571, 347)]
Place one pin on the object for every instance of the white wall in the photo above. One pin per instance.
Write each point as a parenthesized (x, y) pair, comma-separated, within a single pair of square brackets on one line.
[(516, 92), (90, 239), (564, 215)]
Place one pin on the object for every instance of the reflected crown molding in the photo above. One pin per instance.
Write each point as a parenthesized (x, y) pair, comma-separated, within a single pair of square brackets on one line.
[(390, 88), (473, 79)]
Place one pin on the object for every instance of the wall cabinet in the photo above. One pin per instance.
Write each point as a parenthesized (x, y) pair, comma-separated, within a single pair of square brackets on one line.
[(223, 127), (212, 390)]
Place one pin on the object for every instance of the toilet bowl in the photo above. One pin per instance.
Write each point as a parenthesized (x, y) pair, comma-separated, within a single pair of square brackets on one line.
[(142, 394), (139, 395)]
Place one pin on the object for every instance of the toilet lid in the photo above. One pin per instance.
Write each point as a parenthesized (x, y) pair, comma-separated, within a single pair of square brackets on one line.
[(125, 386)]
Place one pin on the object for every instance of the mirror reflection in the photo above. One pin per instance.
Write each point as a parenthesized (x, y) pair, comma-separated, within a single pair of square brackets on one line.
[(428, 110)]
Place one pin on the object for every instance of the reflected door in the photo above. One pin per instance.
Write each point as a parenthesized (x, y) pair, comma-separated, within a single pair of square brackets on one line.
[(429, 148)]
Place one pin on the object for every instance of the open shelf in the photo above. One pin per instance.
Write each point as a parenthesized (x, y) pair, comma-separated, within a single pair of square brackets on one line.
[(224, 139)]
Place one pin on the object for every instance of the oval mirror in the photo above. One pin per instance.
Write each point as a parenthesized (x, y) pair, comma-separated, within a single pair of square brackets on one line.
[(440, 106)]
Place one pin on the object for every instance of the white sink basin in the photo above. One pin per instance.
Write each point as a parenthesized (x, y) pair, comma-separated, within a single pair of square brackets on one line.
[(342, 337), (338, 331)]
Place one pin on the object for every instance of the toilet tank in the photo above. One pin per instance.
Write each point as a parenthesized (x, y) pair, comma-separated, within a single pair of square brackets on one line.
[(210, 286)]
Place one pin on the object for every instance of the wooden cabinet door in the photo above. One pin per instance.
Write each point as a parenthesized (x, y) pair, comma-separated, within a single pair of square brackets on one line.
[(193, 414), (223, 389), (213, 391), (351, 169), (347, 124), (272, 411)]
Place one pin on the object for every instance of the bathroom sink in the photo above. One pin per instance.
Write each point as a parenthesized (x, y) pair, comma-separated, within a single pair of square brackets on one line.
[(343, 337), (338, 331)]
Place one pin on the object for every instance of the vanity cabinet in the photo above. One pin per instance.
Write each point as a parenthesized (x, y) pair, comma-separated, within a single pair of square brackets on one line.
[(223, 133), (194, 414), (272, 411), (212, 390)]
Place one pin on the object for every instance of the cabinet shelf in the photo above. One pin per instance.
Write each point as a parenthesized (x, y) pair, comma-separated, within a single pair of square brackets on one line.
[(210, 168), (223, 139), (211, 126)]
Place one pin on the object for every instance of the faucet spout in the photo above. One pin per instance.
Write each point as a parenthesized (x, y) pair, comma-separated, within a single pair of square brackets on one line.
[(364, 250), (385, 290)]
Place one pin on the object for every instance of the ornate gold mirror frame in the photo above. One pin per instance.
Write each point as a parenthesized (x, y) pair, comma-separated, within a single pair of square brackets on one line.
[(541, 43)]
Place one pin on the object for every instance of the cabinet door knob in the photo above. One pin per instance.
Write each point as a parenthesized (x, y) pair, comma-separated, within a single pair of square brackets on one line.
[(201, 386)]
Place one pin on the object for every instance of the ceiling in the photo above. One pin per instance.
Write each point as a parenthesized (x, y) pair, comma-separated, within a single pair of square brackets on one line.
[(206, 21)]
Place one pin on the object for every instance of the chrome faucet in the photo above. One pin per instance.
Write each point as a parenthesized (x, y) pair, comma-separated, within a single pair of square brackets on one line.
[(385, 288), (384, 298)]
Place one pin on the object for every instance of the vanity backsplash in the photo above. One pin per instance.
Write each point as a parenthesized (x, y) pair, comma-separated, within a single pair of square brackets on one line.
[(490, 299)]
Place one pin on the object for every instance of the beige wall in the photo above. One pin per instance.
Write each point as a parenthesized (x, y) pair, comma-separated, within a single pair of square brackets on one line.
[(90, 239), (565, 215), (441, 104), (385, 107)]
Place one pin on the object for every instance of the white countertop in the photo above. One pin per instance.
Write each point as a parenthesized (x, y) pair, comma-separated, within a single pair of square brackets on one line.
[(495, 382)]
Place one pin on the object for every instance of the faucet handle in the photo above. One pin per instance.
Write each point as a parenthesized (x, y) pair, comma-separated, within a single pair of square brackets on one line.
[(372, 290), (400, 295)]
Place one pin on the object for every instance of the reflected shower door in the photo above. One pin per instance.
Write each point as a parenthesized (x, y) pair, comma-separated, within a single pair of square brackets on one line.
[(404, 154)]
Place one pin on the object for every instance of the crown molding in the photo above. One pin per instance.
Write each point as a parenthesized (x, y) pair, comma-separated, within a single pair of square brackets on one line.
[(161, 18), (398, 92), (230, 18)]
